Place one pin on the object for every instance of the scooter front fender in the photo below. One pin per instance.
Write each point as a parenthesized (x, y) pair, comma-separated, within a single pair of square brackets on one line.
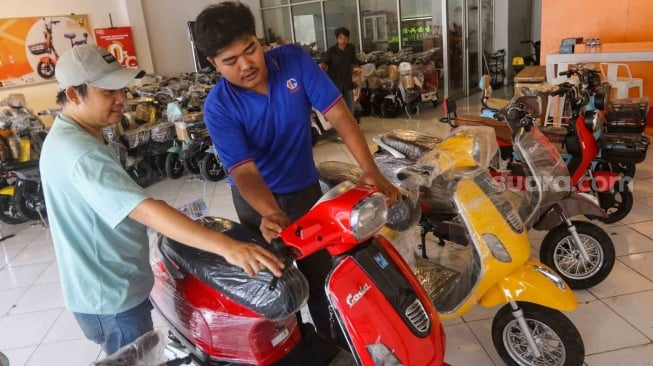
[(175, 149), (575, 204), (533, 282)]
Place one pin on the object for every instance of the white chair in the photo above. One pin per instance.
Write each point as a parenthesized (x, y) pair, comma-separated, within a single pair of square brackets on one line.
[(622, 84)]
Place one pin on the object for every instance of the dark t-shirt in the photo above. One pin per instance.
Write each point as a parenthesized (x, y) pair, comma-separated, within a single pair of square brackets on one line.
[(340, 63)]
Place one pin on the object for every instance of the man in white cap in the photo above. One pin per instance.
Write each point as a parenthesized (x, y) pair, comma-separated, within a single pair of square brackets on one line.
[(98, 214)]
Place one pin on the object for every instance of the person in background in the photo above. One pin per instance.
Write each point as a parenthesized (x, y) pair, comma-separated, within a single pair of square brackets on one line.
[(258, 116), (339, 61), (98, 214)]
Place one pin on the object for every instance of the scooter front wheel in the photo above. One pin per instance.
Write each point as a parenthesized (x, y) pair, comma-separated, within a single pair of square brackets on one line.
[(560, 252), (557, 339), (211, 168), (173, 165)]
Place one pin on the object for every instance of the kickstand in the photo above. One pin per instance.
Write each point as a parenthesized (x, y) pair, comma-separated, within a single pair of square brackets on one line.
[(3, 238)]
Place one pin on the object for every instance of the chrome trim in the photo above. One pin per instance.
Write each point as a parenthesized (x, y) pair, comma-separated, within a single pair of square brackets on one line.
[(417, 315), (551, 276)]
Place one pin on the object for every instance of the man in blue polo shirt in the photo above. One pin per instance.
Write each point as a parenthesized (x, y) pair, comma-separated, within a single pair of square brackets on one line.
[(258, 116)]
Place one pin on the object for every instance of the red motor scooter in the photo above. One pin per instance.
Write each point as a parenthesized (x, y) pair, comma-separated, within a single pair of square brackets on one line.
[(221, 315)]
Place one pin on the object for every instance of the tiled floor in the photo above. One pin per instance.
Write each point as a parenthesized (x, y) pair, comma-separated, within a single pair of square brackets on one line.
[(614, 318)]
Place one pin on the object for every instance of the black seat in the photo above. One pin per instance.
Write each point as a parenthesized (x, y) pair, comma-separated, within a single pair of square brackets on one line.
[(289, 295)]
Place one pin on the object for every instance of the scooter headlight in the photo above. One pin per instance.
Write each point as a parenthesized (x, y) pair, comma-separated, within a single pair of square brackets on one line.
[(382, 355), (497, 248), (368, 216)]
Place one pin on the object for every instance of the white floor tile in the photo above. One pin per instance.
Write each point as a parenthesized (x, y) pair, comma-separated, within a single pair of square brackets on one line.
[(58, 354), (603, 338), (7, 254), (39, 298), (642, 188), (19, 356), (25, 330), (621, 280), (628, 241), (463, 348), (20, 276), (50, 275), (636, 309), (482, 330), (9, 297), (641, 263), (635, 356), (64, 329), (34, 253)]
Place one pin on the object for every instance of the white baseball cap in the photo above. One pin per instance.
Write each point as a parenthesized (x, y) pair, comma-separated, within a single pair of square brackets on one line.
[(92, 65)]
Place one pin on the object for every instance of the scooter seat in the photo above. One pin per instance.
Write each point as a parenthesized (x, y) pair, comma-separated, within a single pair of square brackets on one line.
[(496, 103), (287, 298), (333, 173), (501, 129), (410, 143)]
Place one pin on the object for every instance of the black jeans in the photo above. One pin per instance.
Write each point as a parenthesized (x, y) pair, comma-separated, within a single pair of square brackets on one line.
[(315, 267)]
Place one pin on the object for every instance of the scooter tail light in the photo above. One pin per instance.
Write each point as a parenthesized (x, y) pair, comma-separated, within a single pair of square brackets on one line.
[(382, 355), (497, 248), (368, 216)]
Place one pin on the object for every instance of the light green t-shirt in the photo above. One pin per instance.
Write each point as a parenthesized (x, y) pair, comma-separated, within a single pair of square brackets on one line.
[(102, 254)]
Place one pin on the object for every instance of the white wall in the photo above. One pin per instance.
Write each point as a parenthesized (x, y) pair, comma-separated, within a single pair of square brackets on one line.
[(168, 33), (123, 13)]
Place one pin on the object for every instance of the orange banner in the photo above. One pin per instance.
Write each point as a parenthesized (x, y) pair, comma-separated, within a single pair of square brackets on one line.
[(30, 47)]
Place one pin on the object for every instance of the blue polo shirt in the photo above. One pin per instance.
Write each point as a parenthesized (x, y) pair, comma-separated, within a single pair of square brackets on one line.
[(272, 130)]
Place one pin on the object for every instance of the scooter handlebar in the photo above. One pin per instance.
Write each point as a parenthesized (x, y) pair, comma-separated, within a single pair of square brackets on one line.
[(287, 255)]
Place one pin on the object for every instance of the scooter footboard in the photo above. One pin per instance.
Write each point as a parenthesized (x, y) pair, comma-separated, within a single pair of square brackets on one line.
[(533, 282), (380, 311)]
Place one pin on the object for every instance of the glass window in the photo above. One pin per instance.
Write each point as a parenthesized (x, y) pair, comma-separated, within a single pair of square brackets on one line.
[(277, 26), (418, 26), (379, 25), (268, 3), (309, 32), (341, 13)]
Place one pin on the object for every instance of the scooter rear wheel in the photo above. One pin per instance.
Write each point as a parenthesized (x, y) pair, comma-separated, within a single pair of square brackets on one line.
[(173, 165), (557, 338), (211, 168), (616, 203), (559, 251)]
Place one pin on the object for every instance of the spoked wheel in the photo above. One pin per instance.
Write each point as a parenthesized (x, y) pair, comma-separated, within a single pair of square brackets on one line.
[(211, 168), (45, 69), (142, 173), (560, 252), (192, 164), (174, 167), (616, 203), (556, 337), (8, 212)]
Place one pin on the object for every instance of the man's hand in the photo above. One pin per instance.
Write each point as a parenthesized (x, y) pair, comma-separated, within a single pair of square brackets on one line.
[(271, 225), (379, 181), (253, 258), (323, 66)]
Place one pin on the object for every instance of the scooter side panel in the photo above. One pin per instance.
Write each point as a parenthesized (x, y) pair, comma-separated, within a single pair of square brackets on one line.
[(531, 285), (369, 318)]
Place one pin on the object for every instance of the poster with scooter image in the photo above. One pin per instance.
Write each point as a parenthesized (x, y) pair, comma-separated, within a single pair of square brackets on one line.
[(30, 47)]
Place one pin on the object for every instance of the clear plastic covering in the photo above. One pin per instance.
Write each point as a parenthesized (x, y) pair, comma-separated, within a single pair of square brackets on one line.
[(401, 216), (218, 307), (163, 132), (137, 136), (146, 350)]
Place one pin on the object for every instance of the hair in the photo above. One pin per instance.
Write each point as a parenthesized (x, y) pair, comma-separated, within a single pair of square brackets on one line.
[(342, 30), (61, 95), (217, 26)]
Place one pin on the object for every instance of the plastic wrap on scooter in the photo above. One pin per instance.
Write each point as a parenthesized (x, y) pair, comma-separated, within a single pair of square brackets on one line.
[(401, 216), (146, 350), (552, 177), (287, 298), (412, 144)]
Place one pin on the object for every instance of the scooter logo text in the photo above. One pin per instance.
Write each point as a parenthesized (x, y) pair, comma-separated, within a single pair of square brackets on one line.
[(352, 299)]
